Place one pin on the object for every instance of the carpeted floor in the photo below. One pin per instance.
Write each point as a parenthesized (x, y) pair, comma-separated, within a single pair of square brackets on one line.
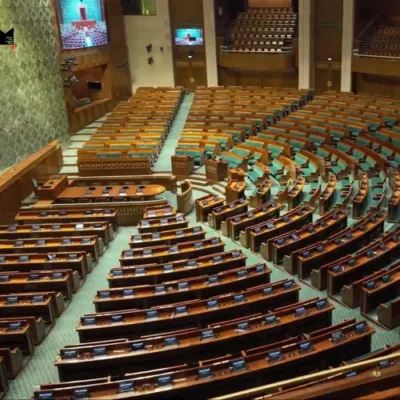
[(41, 368)]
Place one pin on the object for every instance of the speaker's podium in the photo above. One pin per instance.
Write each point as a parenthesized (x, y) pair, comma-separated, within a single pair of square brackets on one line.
[(182, 166), (216, 170)]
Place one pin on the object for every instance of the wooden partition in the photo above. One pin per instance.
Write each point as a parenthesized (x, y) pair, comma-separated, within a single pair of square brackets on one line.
[(17, 183), (185, 198)]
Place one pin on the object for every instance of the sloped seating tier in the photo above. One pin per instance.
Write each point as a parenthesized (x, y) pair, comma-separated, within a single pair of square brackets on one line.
[(335, 381), (166, 253), (89, 244), (200, 287), (240, 371), (166, 237), (104, 230), (271, 20), (370, 258), (147, 112), (256, 236), (135, 323), (73, 363), (232, 226), (223, 212), (185, 268), (285, 246), (365, 230), (53, 216), (205, 205)]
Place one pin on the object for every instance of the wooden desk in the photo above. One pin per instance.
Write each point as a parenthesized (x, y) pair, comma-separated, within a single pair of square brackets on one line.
[(182, 166), (164, 254), (236, 174), (220, 214), (165, 238), (232, 226), (256, 236), (130, 356), (53, 216), (200, 287), (205, 205), (52, 188), (88, 244), (235, 191), (240, 371), (116, 193), (157, 273), (367, 260), (136, 323), (369, 228), (216, 170)]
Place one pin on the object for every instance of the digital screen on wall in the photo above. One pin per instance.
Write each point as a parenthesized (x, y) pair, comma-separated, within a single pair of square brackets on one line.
[(82, 24), (189, 37)]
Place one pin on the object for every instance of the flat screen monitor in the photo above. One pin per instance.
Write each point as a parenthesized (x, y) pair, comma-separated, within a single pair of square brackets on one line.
[(189, 37), (82, 24)]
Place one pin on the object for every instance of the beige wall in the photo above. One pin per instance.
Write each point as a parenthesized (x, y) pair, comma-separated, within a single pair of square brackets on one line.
[(141, 31)]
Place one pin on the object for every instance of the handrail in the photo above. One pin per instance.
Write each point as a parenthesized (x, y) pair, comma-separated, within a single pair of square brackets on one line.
[(375, 56), (267, 389), (368, 26)]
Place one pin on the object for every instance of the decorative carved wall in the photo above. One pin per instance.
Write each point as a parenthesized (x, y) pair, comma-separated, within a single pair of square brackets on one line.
[(32, 107)]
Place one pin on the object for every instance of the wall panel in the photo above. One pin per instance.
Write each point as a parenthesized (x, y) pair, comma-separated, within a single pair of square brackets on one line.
[(377, 85), (142, 30), (32, 107), (242, 77)]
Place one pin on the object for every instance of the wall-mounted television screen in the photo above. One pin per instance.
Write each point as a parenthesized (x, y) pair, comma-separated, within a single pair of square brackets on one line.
[(82, 24), (189, 37)]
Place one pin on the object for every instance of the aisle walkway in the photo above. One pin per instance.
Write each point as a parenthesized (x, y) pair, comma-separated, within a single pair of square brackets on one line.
[(40, 368), (164, 160)]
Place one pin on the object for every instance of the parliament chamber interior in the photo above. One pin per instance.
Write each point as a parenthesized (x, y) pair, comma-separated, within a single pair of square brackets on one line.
[(200, 199)]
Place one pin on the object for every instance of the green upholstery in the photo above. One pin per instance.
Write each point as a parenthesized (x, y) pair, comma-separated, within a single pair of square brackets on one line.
[(317, 128), (108, 155), (343, 147), (358, 154), (254, 144), (120, 146), (322, 153), (232, 161), (93, 146), (386, 151), (241, 152)]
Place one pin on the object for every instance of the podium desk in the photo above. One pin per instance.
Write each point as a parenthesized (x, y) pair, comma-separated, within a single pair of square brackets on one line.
[(216, 170)]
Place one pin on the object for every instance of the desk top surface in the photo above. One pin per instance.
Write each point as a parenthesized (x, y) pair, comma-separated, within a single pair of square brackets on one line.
[(112, 191)]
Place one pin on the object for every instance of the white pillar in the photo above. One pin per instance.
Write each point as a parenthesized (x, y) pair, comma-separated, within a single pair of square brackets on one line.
[(210, 42), (305, 44), (347, 45)]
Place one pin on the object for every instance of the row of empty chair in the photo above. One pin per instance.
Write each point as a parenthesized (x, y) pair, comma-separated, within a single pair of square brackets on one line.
[(133, 134), (268, 31)]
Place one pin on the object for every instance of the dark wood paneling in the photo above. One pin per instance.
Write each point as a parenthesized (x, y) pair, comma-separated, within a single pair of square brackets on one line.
[(270, 3), (323, 76), (328, 29), (378, 66), (189, 73), (377, 84), (16, 184), (243, 77)]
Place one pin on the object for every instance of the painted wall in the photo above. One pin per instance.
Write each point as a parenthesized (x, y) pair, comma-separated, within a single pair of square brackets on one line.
[(140, 31), (32, 107)]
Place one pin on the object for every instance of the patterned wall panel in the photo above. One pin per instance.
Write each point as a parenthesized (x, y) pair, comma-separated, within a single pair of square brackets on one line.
[(32, 106)]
